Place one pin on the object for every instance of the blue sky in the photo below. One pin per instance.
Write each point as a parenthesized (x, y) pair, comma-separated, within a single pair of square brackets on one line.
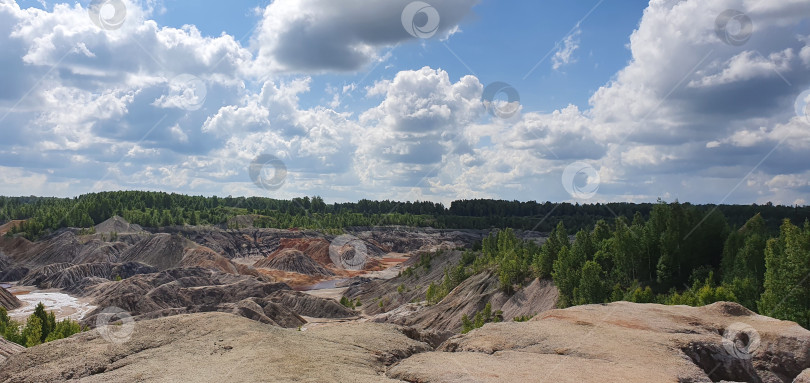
[(618, 100)]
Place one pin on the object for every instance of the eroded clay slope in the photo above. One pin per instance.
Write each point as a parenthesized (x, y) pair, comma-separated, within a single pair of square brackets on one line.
[(8, 300)]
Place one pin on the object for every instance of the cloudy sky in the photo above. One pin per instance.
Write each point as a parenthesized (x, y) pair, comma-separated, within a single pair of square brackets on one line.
[(700, 101)]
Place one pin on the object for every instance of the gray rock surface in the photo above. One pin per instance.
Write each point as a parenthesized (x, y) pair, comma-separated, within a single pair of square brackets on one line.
[(218, 347), (621, 342)]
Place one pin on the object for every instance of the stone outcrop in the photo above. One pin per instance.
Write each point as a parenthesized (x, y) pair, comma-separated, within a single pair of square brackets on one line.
[(618, 342), (622, 342), (294, 261), (218, 347)]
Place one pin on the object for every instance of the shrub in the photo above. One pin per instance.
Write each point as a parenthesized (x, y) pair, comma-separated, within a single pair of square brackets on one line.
[(40, 327)]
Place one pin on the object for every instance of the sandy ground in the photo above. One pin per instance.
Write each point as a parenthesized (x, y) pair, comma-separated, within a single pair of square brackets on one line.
[(62, 305)]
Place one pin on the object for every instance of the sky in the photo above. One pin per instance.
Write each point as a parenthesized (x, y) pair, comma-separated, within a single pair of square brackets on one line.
[(586, 101)]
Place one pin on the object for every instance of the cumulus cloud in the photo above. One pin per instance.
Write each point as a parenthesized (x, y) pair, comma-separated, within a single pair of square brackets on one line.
[(82, 108), (321, 35), (565, 54), (421, 120)]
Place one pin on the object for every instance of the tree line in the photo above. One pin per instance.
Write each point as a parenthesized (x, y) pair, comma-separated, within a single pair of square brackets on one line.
[(679, 255), (157, 209)]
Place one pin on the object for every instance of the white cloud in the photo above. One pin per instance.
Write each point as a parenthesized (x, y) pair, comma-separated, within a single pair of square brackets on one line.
[(324, 35), (687, 118), (746, 66), (565, 54)]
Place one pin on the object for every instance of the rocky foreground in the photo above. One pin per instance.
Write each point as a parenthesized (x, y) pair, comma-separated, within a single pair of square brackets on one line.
[(619, 342)]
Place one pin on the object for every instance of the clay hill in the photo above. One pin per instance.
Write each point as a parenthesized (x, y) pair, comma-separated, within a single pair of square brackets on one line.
[(193, 290), (8, 300), (394, 300), (618, 342), (295, 261), (117, 225)]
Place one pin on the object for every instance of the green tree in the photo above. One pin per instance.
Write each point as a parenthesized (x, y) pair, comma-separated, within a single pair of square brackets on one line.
[(432, 294), (591, 285), (787, 290), (544, 261), (32, 333), (567, 271)]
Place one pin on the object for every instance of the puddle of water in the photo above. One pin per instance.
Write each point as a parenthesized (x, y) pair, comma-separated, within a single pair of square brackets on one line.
[(62, 305)]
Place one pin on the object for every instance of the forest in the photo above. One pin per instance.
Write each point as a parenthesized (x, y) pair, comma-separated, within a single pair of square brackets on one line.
[(677, 256), (158, 209)]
